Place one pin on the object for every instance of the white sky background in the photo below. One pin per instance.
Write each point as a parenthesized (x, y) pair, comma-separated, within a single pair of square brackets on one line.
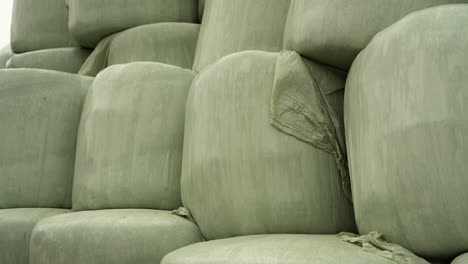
[(5, 21)]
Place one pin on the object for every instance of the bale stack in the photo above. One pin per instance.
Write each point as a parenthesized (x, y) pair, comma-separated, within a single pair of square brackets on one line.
[(233, 131)]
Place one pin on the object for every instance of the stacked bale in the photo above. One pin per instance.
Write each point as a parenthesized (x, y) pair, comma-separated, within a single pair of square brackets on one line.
[(242, 176), (39, 25), (113, 236), (136, 110), (232, 26), (406, 125), (128, 156), (92, 20), (61, 59), (335, 31), (170, 43), (40, 113)]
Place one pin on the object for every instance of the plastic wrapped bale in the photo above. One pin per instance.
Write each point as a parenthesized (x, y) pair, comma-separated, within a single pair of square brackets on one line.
[(267, 249), (16, 226), (334, 31), (243, 176), (40, 112), (463, 259), (232, 26), (406, 127), (169, 43), (110, 236), (5, 54), (61, 59), (92, 20), (39, 25), (129, 152)]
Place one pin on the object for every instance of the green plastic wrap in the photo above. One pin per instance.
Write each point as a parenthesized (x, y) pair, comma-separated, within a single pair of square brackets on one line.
[(39, 112), (16, 226), (335, 31), (5, 54), (232, 26), (61, 59), (241, 175), (39, 24), (406, 125), (129, 151), (463, 259), (169, 43), (267, 249), (93, 20), (110, 236)]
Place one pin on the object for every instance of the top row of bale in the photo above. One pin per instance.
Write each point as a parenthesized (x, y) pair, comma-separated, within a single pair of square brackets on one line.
[(310, 28), (54, 23)]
